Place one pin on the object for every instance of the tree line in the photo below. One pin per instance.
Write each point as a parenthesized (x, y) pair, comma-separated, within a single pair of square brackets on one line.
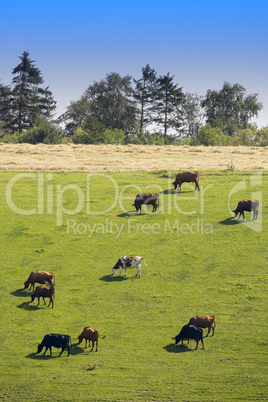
[(152, 109)]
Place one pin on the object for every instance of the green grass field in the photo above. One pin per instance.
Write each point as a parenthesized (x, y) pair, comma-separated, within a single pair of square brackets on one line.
[(200, 261)]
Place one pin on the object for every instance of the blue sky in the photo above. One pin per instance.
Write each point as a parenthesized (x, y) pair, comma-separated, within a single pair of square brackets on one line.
[(202, 43)]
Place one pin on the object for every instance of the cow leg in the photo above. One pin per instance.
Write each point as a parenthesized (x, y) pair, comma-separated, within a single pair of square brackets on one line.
[(202, 343), (92, 346), (86, 343), (120, 271), (97, 344), (197, 340), (212, 331), (62, 349), (46, 351), (125, 271), (138, 271), (179, 188), (50, 302), (208, 331), (44, 300), (38, 301)]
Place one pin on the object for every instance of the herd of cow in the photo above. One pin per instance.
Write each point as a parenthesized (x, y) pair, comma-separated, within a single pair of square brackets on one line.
[(193, 330), (193, 177)]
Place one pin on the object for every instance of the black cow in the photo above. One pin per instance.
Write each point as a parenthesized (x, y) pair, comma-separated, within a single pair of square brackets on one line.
[(190, 332), (247, 205), (146, 199), (57, 341)]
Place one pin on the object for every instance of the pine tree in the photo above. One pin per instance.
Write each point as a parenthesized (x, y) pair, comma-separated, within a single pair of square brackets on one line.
[(168, 100), (144, 96), (30, 103)]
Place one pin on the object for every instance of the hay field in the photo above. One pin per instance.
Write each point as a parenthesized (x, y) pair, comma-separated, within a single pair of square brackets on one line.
[(115, 158)]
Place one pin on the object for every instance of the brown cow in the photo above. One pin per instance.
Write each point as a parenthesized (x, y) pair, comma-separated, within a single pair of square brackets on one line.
[(186, 177), (39, 277), (44, 291), (247, 205), (146, 199), (204, 321), (90, 334)]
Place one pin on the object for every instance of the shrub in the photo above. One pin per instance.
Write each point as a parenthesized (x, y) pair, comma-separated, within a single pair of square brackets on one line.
[(211, 136), (47, 133)]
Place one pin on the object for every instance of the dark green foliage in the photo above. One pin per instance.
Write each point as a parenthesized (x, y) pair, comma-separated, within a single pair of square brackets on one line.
[(229, 109), (28, 103), (110, 102), (47, 133), (144, 96), (211, 136), (168, 101)]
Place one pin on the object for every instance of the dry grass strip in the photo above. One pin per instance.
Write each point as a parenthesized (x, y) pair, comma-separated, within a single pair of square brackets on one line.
[(123, 158)]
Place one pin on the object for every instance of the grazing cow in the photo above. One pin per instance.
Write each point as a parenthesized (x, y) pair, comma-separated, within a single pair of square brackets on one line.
[(190, 332), (128, 262), (204, 321), (90, 334), (146, 199), (39, 277), (43, 291), (247, 205), (57, 341), (186, 177)]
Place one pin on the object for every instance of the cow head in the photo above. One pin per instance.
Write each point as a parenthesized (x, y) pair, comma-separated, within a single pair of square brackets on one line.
[(177, 339), (175, 184), (114, 269), (26, 284), (80, 338), (39, 348)]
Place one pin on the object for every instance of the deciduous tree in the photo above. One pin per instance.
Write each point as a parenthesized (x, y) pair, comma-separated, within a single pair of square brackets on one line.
[(230, 109)]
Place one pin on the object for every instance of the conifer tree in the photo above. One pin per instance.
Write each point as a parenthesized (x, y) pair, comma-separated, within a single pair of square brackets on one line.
[(30, 103), (144, 96)]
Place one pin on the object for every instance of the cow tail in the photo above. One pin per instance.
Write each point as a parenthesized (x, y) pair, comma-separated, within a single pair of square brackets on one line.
[(144, 262), (102, 337)]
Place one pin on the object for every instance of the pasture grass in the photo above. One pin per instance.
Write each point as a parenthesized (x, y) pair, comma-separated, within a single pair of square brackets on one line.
[(200, 261)]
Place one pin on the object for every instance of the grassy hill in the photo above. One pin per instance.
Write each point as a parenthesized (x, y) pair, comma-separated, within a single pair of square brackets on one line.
[(200, 261)]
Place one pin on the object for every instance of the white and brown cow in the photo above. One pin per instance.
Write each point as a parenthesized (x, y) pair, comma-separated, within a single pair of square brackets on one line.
[(128, 262)]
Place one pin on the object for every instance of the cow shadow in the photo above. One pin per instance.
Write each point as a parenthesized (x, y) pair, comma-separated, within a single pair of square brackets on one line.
[(172, 191), (20, 293), (230, 221), (28, 306), (36, 356), (76, 350), (111, 278), (130, 213), (172, 348)]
